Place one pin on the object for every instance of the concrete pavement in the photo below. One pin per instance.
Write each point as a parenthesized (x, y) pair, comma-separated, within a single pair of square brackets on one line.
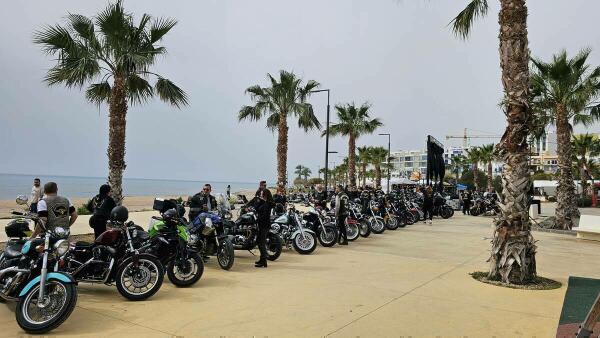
[(409, 282)]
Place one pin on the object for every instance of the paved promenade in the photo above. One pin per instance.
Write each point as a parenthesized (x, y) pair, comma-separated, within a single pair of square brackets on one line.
[(409, 282)]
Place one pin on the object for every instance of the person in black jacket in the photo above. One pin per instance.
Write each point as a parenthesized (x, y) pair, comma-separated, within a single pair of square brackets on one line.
[(320, 198), (202, 202), (264, 204), (280, 200), (341, 212), (428, 204), (101, 206)]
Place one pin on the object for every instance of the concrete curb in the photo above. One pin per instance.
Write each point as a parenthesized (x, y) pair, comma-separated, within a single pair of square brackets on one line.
[(555, 231)]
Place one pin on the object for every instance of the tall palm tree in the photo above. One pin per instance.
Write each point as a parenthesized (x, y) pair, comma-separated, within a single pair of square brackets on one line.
[(474, 157), (114, 57), (486, 155), (458, 164), (364, 159), (284, 98), (513, 248), (353, 122), (378, 159), (306, 172), (299, 170), (585, 146), (563, 90)]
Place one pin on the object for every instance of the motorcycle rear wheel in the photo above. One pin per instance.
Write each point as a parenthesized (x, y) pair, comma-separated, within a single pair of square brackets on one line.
[(29, 301), (147, 266), (189, 274), (225, 255)]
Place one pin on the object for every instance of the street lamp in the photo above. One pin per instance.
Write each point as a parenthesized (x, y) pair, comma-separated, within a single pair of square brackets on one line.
[(388, 160), (326, 135)]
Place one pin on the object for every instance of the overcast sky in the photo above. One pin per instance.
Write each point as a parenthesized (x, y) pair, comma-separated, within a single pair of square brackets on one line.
[(398, 55)]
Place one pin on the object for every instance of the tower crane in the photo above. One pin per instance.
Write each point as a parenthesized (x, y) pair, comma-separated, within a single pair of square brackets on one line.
[(467, 137)]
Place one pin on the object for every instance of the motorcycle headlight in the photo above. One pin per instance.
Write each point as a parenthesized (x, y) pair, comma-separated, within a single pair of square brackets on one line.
[(61, 247), (275, 227), (193, 239), (60, 232)]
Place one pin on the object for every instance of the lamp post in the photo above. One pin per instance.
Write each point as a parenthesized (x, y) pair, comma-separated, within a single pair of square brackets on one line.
[(326, 135), (388, 159)]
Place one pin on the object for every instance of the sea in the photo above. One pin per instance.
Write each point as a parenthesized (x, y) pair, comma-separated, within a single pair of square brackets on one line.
[(12, 185)]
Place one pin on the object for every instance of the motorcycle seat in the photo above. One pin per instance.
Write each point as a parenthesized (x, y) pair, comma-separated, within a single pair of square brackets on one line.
[(13, 251), (83, 245)]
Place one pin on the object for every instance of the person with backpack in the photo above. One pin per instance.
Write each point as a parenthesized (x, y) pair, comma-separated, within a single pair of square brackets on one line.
[(101, 206)]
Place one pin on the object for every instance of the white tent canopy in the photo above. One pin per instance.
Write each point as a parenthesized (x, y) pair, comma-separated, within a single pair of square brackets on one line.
[(402, 181)]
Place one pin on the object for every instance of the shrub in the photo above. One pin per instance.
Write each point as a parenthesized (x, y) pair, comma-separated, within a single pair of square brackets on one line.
[(584, 202), (83, 210), (551, 198)]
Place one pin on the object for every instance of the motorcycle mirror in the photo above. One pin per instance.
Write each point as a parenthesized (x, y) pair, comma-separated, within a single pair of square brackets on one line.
[(22, 199)]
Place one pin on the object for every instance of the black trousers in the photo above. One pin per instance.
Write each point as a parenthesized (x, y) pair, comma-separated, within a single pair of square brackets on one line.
[(261, 239), (98, 223), (466, 208), (341, 223), (428, 211)]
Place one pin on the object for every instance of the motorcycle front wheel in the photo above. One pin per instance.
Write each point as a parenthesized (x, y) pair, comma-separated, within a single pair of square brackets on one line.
[(446, 212), (365, 229), (328, 236), (184, 273), (274, 246), (141, 281), (352, 231), (226, 255), (305, 243), (58, 304), (392, 223), (377, 224)]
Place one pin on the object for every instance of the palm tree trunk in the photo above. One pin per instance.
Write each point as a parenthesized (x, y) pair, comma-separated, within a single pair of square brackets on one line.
[(364, 175), (489, 177), (566, 208), (352, 161), (116, 138), (583, 176), (475, 172), (377, 176), (282, 148), (513, 248)]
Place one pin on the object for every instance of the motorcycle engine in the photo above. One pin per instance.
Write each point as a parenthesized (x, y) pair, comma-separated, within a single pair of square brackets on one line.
[(239, 240)]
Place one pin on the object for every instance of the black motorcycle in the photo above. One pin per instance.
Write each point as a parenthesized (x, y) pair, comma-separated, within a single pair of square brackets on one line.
[(322, 225), (244, 231), (112, 258), (208, 237)]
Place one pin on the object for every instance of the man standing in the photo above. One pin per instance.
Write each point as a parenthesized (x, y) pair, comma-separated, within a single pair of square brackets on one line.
[(321, 197), (264, 204), (341, 212), (202, 202), (101, 205), (54, 211), (229, 191), (36, 195)]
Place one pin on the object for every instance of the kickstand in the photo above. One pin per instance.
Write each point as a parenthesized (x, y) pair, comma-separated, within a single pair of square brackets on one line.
[(250, 251)]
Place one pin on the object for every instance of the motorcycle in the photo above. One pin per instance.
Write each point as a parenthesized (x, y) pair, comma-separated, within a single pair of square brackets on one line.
[(168, 240), (363, 222), (293, 233), (208, 237), (44, 299), (244, 231), (112, 258), (322, 225), (484, 206), (376, 222)]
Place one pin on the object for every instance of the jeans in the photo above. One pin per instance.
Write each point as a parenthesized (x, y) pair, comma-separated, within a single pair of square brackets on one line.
[(341, 223), (428, 211), (261, 239)]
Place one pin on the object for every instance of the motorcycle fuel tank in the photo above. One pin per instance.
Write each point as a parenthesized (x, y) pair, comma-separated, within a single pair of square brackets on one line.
[(108, 237), (283, 219)]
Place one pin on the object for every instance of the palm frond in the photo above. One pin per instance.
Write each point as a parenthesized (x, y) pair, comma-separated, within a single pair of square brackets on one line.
[(138, 90), (98, 93), (160, 27), (169, 92), (463, 22)]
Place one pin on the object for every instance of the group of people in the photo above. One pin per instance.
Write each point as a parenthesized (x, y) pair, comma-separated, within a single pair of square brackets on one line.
[(52, 209)]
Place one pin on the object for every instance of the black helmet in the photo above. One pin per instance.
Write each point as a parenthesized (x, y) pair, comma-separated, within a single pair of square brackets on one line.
[(171, 214), (119, 214)]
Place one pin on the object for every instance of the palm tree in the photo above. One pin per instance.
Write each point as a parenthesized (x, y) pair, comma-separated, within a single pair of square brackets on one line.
[(474, 157), (378, 159), (513, 248), (115, 57), (284, 98), (301, 170), (458, 164), (353, 122), (364, 159), (486, 155), (306, 172), (585, 146), (562, 90)]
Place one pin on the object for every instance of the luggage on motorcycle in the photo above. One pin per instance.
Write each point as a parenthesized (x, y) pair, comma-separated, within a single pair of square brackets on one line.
[(161, 205), (18, 228)]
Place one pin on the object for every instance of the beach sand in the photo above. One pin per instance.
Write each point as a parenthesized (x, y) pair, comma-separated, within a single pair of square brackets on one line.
[(133, 203)]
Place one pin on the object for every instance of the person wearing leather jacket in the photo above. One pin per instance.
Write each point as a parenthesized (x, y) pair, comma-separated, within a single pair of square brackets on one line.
[(264, 204), (341, 212), (320, 198), (202, 202)]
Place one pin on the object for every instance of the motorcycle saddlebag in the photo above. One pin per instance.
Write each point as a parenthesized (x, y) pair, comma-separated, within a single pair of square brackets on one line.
[(162, 205), (18, 228)]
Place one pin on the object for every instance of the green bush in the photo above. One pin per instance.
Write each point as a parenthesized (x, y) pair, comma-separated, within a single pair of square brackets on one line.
[(584, 202), (83, 210), (551, 198)]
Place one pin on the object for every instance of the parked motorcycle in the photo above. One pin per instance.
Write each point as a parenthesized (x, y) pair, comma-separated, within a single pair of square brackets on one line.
[(208, 237), (293, 233), (376, 221), (322, 225), (44, 299), (244, 231), (363, 222), (112, 258), (168, 240)]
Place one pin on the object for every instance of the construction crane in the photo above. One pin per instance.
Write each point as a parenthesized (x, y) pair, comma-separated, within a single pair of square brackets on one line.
[(466, 137)]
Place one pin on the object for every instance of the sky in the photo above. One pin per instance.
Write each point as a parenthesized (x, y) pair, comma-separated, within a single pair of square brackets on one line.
[(398, 55)]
